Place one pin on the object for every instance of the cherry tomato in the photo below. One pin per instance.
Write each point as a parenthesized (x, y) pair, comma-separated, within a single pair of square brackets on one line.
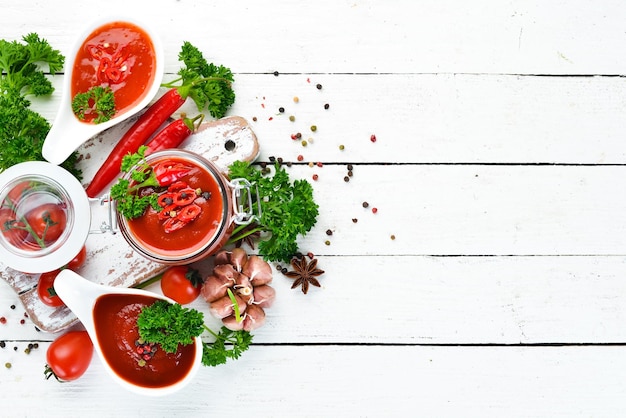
[(78, 261), (69, 356), (45, 289), (47, 221), (11, 228), (181, 283)]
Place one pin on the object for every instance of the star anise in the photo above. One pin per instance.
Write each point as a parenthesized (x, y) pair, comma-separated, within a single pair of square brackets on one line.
[(304, 273)]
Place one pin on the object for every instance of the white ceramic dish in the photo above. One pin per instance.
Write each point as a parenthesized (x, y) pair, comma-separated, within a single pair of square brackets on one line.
[(67, 132), (80, 295)]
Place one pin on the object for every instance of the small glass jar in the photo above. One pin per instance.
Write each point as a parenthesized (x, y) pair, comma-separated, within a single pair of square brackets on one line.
[(157, 234), (44, 217)]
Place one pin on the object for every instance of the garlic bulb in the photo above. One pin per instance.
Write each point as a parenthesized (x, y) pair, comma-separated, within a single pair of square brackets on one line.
[(248, 278)]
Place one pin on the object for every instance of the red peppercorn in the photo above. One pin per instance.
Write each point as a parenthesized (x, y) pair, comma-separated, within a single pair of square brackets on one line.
[(3, 320), (374, 210), (373, 138), (319, 164), (300, 157), (315, 176)]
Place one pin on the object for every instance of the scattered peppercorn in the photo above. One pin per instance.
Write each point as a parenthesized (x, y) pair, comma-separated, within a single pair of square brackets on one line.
[(7, 365), (254, 118), (365, 204), (329, 232), (311, 164), (304, 143), (310, 255), (315, 177), (350, 173), (22, 321), (350, 167), (346, 179), (272, 158), (300, 157), (320, 164), (393, 237), (296, 99), (299, 135), (281, 109), (374, 210), (292, 118), (373, 138), (12, 306), (327, 242), (276, 73), (318, 86), (3, 320), (355, 220), (3, 344), (326, 106), (313, 128), (342, 147)]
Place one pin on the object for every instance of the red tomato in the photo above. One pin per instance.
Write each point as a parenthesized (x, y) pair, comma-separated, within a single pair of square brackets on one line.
[(69, 356), (47, 221), (78, 261), (181, 283), (45, 289), (11, 228)]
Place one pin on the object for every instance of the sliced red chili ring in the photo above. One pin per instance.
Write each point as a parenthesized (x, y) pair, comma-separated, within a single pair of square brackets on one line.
[(168, 212), (177, 186), (166, 199), (173, 224), (189, 213), (185, 197)]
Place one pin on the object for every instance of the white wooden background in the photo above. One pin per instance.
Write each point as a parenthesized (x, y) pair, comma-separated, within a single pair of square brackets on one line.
[(499, 167)]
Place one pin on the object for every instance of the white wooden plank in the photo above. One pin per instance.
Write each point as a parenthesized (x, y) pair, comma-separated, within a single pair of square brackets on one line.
[(430, 118), (357, 381), (431, 300), (364, 36)]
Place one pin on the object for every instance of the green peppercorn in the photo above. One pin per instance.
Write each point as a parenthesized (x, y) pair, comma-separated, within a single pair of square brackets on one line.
[(313, 128)]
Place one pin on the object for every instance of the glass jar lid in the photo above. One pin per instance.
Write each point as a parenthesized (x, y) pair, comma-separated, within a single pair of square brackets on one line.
[(44, 217)]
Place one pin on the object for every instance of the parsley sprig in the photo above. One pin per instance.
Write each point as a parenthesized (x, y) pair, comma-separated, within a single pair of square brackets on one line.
[(129, 203), (288, 210), (22, 130), (97, 100), (207, 84), (171, 325)]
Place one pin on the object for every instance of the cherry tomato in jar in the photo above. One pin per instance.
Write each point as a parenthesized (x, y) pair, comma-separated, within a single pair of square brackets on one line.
[(45, 289), (69, 356), (47, 221), (181, 283), (11, 228)]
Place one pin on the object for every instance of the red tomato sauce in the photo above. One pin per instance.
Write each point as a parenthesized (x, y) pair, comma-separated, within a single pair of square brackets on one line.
[(119, 55), (149, 229), (115, 318)]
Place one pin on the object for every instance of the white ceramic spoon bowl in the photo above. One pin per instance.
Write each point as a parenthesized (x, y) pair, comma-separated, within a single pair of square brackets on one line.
[(67, 132), (80, 295)]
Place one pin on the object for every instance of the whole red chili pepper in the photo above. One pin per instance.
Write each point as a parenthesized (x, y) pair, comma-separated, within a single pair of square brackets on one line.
[(173, 134), (139, 133)]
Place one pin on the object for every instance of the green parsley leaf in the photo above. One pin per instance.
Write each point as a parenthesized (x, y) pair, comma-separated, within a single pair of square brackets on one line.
[(169, 324), (99, 100), (228, 344), (22, 130), (288, 210), (208, 85)]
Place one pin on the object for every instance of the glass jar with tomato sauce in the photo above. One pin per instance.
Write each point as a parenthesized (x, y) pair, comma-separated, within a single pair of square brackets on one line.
[(196, 209)]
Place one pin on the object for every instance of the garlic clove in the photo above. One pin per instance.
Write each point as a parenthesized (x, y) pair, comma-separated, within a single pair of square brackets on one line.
[(232, 324), (263, 296), (238, 258), (214, 288), (257, 270), (225, 272), (223, 307), (254, 318)]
